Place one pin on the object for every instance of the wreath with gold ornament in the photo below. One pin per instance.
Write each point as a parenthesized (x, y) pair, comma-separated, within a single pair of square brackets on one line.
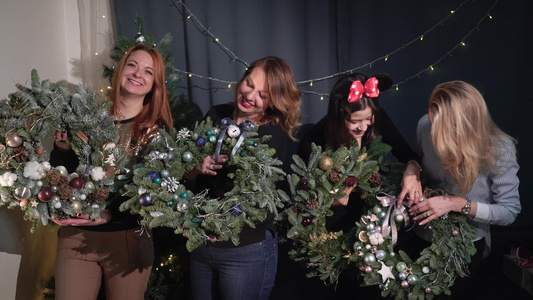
[(162, 197), (28, 181), (368, 249), (314, 185)]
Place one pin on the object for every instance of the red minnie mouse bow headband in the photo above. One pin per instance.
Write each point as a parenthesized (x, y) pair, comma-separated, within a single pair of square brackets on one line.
[(370, 89)]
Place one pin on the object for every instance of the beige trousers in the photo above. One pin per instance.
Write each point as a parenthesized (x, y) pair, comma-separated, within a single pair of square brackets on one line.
[(122, 258)]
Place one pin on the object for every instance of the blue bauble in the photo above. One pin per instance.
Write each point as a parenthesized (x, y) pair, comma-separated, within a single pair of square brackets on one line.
[(236, 210), (200, 141), (145, 199), (184, 195), (153, 175)]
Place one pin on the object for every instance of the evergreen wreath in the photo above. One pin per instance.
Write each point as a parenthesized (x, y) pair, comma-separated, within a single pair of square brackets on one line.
[(368, 248), (398, 276), (159, 193), (314, 186), (30, 116)]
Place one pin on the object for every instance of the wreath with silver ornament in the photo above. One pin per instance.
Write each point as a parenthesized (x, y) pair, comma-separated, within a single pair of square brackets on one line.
[(160, 194), (314, 185), (28, 181), (395, 273)]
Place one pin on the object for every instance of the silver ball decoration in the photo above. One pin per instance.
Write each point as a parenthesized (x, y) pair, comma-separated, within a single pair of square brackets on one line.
[(21, 193), (89, 185), (62, 170), (381, 255), (14, 140), (182, 206), (76, 206), (369, 258), (425, 270), (412, 279), (402, 276)]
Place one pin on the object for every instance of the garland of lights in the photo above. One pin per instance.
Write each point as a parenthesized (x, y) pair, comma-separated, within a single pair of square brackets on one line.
[(201, 28), (368, 248), (28, 181), (160, 195)]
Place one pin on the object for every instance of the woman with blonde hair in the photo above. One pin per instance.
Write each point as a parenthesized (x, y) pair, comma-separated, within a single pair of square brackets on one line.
[(466, 155)]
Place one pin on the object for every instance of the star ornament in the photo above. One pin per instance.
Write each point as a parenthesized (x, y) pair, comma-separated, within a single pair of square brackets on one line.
[(386, 272)]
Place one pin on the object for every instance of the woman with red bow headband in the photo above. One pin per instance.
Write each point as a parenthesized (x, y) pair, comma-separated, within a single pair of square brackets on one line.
[(354, 114)]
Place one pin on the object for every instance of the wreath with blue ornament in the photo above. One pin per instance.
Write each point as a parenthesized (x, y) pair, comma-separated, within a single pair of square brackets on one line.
[(28, 181), (368, 248), (160, 194)]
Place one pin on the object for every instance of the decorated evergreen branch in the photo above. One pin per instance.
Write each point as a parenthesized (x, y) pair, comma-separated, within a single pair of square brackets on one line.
[(395, 273), (158, 192), (28, 181), (314, 186)]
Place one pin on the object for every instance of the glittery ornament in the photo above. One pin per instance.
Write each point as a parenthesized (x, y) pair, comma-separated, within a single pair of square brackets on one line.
[(325, 163), (236, 210), (200, 141)]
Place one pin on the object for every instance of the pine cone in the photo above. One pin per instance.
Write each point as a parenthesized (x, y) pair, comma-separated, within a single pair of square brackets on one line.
[(21, 154), (102, 194), (312, 204), (65, 191), (375, 180), (61, 215), (53, 177), (297, 209), (334, 176), (92, 198), (63, 180)]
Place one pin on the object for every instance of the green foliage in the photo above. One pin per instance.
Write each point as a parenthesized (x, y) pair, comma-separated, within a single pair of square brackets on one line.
[(314, 186), (252, 169), (32, 114)]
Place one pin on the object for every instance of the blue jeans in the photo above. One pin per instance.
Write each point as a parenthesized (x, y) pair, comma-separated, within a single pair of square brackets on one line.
[(238, 273)]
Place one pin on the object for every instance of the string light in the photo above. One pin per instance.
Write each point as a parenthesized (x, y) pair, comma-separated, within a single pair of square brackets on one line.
[(202, 29)]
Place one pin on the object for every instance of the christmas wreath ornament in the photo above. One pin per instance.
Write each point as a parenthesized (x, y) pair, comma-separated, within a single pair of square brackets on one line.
[(395, 273), (28, 181), (250, 166), (313, 188)]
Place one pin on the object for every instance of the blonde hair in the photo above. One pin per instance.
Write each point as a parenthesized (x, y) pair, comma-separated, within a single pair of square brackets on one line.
[(283, 105), (463, 133)]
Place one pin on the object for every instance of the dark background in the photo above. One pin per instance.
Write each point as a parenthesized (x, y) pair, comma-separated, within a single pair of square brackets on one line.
[(319, 38)]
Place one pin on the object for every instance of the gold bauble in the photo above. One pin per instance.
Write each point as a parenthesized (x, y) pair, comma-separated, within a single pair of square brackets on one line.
[(325, 163)]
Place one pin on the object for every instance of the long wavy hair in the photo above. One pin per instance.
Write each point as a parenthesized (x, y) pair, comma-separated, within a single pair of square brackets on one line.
[(340, 110), (156, 107), (463, 133), (283, 104)]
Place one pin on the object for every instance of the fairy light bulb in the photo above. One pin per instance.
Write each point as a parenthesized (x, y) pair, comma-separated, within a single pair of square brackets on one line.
[(463, 44), (386, 58), (190, 75), (311, 84), (396, 87), (431, 67), (453, 11), (321, 97), (229, 86), (422, 37), (490, 17)]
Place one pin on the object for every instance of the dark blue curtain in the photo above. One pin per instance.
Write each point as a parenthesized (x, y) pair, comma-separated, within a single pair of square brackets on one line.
[(323, 37)]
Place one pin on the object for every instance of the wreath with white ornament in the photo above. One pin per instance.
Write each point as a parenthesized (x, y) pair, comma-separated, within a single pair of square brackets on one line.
[(159, 192), (314, 185), (367, 249), (28, 181)]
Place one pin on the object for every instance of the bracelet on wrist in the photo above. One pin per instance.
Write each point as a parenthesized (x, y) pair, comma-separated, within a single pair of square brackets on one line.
[(414, 162)]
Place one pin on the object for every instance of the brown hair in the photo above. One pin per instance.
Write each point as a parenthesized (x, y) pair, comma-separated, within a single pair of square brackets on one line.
[(283, 105), (156, 108)]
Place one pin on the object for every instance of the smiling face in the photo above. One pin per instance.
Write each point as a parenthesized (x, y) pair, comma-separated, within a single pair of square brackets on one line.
[(358, 122), (137, 77), (252, 96)]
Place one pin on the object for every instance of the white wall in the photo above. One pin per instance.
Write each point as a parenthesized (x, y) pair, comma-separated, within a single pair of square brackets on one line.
[(42, 35)]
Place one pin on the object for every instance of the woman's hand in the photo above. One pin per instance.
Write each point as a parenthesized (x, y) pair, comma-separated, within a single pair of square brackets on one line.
[(85, 220), (344, 200), (60, 138), (411, 186), (207, 167), (434, 207)]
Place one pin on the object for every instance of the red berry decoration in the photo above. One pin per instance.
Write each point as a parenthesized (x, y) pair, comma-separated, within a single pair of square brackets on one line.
[(303, 185), (76, 183), (45, 194), (350, 181), (307, 221)]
